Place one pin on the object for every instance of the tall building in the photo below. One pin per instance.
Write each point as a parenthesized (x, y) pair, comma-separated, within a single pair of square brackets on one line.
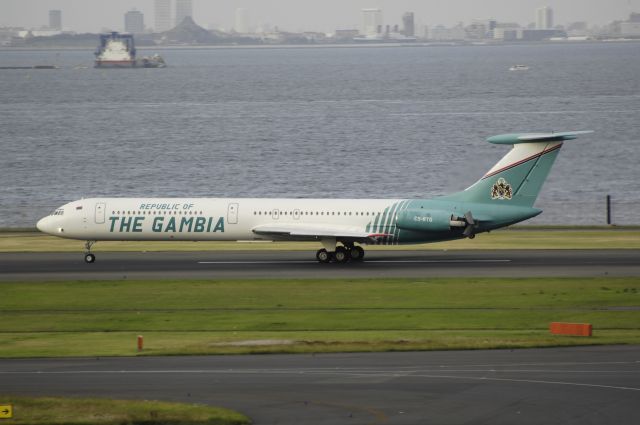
[(371, 22), (134, 22), (55, 20), (184, 8), (544, 18), (163, 15), (242, 21), (408, 25)]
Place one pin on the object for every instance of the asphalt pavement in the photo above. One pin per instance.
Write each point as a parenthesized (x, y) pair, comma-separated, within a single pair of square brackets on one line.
[(578, 385), (302, 264)]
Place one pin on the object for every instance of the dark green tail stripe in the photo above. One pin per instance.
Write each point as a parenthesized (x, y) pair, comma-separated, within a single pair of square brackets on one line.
[(396, 231), (383, 221), (389, 227), (374, 229)]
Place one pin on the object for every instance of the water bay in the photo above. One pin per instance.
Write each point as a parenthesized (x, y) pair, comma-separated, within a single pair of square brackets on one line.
[(318, 122)]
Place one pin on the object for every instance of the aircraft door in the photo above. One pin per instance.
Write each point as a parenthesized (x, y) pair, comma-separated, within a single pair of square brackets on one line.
[(100, 212), (232, 213)]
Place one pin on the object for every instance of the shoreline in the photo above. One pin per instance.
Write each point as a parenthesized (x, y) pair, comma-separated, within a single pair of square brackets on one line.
[(425, 44)]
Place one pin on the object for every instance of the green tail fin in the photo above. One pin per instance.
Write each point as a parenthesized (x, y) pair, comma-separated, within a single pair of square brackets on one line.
[(518, 177)]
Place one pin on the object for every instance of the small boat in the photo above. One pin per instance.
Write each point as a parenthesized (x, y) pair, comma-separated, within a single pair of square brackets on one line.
[(519, 68), (155, 61)]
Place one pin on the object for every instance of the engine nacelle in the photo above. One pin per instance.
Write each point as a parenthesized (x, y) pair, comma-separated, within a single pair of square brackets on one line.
[(423, 220)]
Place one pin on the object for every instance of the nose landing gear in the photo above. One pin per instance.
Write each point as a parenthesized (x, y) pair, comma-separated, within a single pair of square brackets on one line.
[(88, 256)]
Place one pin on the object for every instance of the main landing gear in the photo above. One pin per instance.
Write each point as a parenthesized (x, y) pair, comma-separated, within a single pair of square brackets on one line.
[(342, 254), (88, 256)]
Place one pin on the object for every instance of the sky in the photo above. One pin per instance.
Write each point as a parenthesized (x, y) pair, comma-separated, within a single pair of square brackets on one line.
[(312, 15)]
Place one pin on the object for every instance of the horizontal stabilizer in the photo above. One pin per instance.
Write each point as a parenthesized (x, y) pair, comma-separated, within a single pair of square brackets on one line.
[(515, 138)]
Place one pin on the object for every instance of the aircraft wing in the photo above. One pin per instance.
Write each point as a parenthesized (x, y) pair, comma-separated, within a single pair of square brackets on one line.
[(307, 232)]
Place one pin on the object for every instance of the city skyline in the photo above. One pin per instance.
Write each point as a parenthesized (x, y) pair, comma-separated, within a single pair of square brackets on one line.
[(300, 15)]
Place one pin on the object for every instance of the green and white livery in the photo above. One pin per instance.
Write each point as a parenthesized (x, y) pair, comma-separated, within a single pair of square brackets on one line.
[(503, 196)]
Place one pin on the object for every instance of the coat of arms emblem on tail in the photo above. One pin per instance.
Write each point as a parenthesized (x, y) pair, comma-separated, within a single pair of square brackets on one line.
[(501, 190)]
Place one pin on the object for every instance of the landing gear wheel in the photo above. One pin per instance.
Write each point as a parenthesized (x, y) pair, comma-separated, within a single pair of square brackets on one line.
[(88, 256), (356, 253), (323, 256), (341, 255)]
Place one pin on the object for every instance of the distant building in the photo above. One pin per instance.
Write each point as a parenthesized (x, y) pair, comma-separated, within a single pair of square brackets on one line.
[(55, 20), (134, 22), (314, 37), (371, 22), (578, 26), (541, 35), (408, 24), (477, 30), (242, 21), (630, 29), (544, 18), (163, 15), (184, 8), (346, 35), (507, 34), (440, 33), (507, 31)]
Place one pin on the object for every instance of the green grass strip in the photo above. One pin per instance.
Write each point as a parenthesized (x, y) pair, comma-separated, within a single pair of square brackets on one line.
[(100, 318), (90, 411)]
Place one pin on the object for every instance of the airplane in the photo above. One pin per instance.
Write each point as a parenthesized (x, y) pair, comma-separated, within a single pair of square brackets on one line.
[(503, 196)]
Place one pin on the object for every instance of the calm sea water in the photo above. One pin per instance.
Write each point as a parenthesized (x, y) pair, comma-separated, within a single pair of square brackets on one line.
[(318, 122)]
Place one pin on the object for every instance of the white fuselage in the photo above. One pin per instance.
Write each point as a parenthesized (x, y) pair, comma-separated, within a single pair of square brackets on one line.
[(206, 219), (503, 196)]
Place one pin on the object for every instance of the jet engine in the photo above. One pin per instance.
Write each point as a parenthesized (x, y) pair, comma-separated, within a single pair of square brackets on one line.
[(437, 221)]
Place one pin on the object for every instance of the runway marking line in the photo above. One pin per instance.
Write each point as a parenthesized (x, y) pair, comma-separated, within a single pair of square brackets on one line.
[(342, 372)]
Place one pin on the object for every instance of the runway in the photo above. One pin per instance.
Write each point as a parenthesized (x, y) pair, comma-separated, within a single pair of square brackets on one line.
[(577, 385), (302, 264)]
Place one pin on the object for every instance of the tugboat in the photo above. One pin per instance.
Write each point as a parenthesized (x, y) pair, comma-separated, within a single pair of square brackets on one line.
[(119, 51)]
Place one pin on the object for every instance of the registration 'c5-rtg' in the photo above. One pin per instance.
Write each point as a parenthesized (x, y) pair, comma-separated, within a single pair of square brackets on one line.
[(503, 196)]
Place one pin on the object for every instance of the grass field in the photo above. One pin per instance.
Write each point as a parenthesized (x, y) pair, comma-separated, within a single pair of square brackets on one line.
[(62, 411), (518, 238), (265, 316)]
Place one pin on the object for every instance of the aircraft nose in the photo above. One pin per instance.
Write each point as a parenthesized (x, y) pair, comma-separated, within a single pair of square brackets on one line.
[(45, 225)]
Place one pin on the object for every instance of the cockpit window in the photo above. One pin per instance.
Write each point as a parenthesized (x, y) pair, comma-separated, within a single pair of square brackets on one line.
[(59, 211)]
